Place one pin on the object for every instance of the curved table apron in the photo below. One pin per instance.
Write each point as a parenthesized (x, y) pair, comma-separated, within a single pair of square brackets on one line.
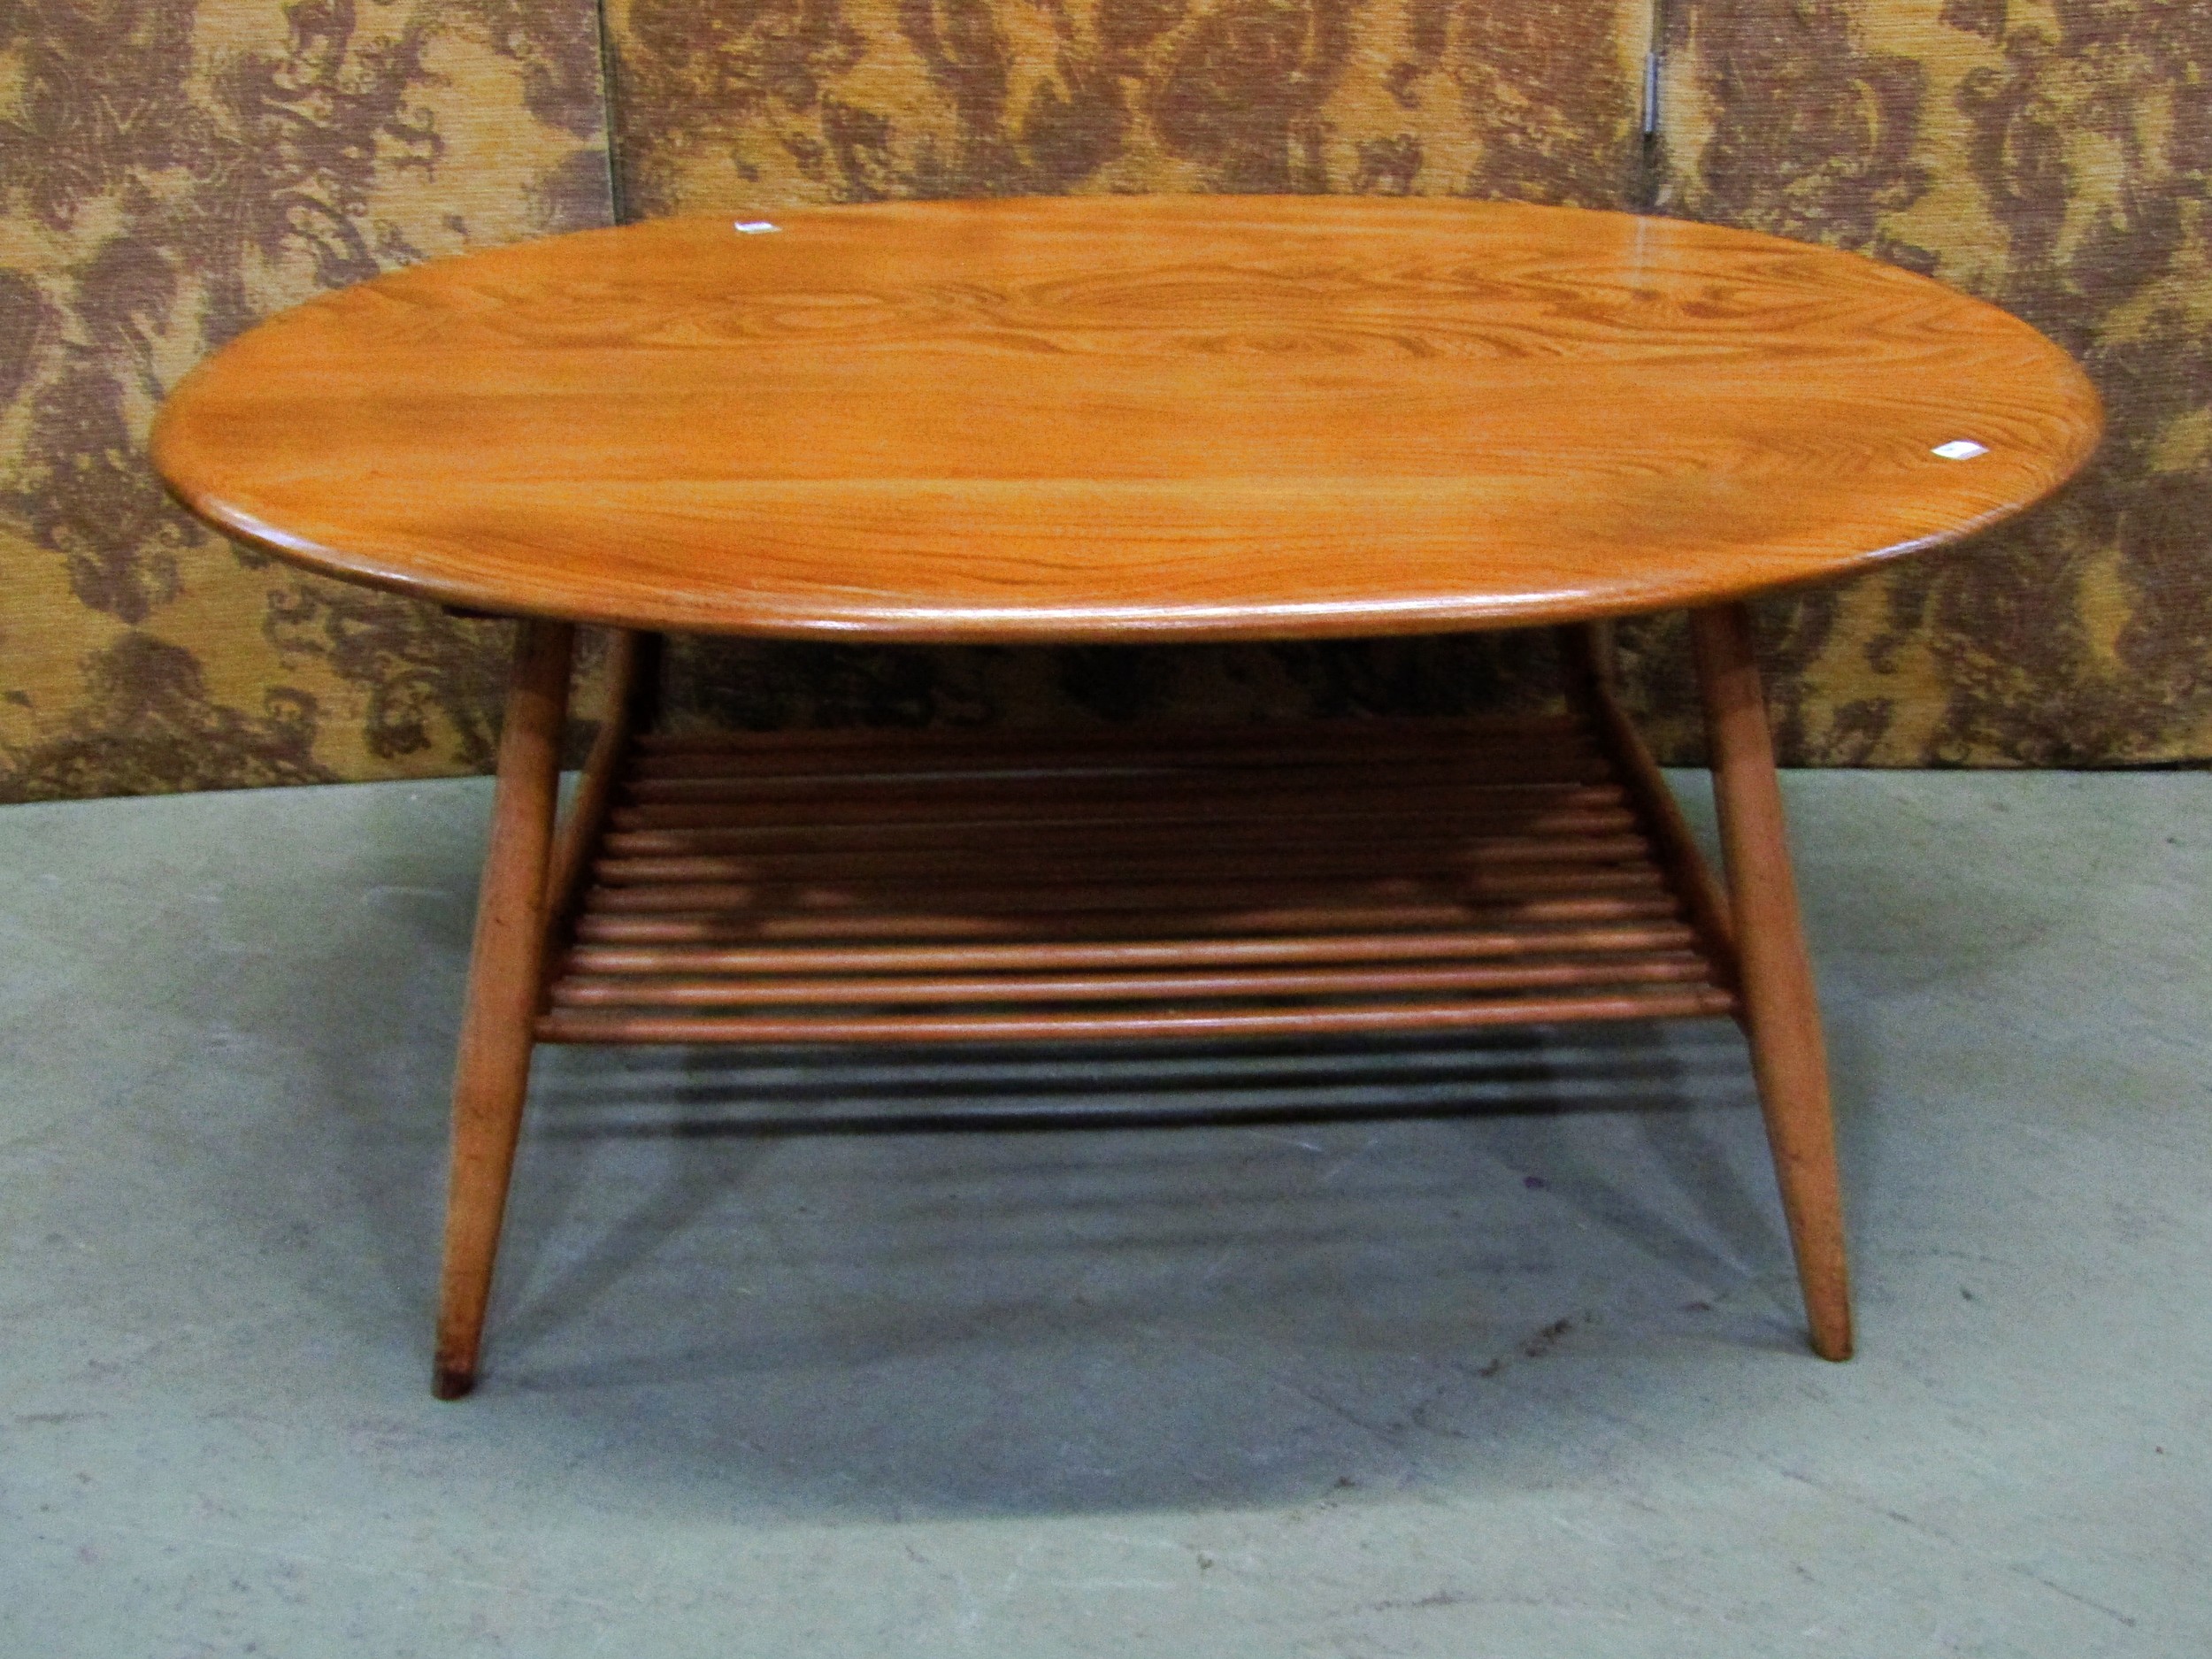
[(1126, 420)]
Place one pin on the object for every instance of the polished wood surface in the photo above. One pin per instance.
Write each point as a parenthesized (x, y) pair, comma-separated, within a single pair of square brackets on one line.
[(1108, 418), (1780, 1008)]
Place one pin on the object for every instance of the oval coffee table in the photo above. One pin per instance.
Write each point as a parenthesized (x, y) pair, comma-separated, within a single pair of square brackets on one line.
[(1126, 419)]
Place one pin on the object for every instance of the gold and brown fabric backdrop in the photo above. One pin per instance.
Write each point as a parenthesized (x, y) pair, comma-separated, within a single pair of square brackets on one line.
[(2053, 156), (170, 170)]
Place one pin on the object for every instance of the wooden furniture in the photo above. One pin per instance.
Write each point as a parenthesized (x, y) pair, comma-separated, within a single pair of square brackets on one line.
[(1126, 419)]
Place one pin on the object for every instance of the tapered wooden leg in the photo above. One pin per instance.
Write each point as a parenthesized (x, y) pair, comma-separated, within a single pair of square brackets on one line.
[(1782, 1013), (493, 1069)]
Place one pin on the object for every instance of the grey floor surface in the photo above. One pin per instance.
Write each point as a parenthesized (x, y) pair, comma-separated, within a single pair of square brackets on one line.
[(1469, 1348)]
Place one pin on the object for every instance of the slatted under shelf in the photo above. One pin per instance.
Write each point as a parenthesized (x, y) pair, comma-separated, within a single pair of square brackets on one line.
[(1212, 881)]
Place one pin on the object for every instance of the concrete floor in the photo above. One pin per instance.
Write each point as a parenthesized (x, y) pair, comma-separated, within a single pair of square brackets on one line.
[(1467, 1348)]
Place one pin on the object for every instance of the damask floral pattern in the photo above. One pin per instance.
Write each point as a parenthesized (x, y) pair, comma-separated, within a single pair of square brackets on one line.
[(775, 102), (171, 171), (2053, 156)]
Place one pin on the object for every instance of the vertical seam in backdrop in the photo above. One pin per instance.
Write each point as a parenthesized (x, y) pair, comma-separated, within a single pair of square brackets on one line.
[(617, 207), (1651, 112)]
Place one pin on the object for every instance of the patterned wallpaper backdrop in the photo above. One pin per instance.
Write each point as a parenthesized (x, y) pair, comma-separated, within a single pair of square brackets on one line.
[(172, 169), (2053, 156)]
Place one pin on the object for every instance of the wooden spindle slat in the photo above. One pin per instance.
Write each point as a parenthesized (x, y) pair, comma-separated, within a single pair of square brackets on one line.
[(991, 860), (1410, 827), (1167, 953), (575, 1025), (1053, 795), (1167, 924), (730, 991), (1074, 893)]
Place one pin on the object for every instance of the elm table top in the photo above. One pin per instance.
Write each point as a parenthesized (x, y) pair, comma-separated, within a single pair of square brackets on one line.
[(1119, 417)]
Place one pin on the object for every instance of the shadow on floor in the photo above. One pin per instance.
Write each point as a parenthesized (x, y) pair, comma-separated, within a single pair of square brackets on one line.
[(989, 1281)]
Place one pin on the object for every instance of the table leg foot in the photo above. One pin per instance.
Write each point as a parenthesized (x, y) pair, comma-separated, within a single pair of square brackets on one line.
[(492, 1073), (451, 1383), (1782, 1014)]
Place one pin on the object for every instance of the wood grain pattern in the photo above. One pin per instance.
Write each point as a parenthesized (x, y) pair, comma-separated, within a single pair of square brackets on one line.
[(1103, 418)]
